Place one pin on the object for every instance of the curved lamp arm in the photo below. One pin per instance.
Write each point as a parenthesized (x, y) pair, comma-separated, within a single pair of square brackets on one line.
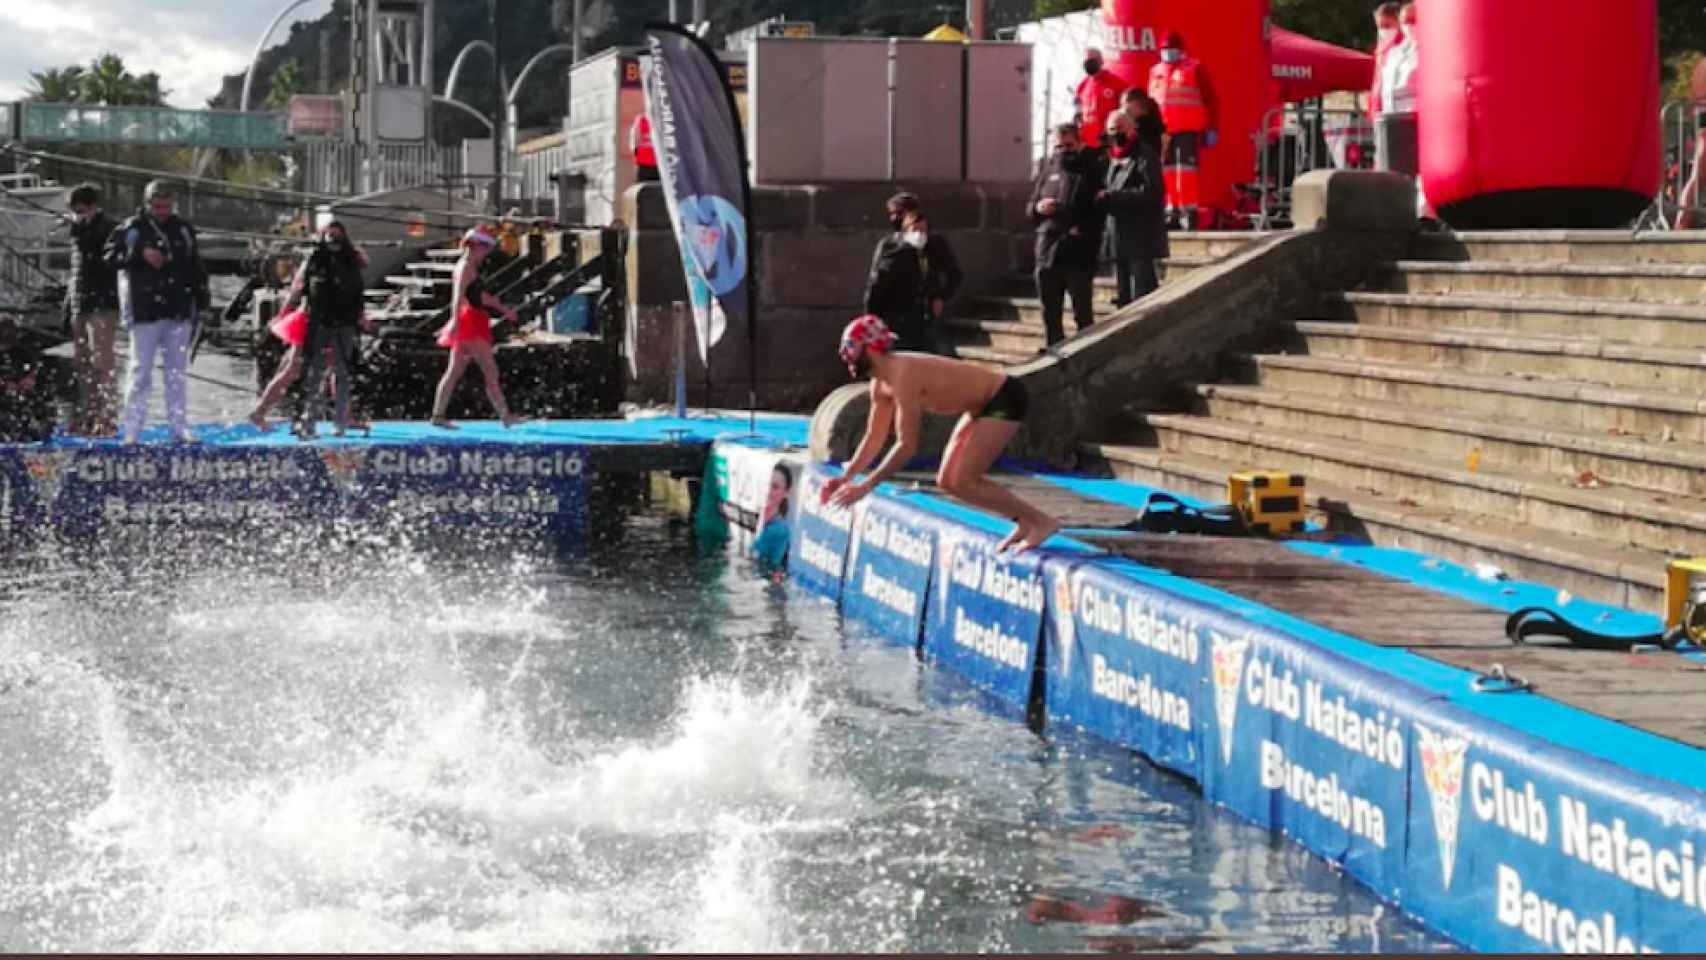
[(261, 44)]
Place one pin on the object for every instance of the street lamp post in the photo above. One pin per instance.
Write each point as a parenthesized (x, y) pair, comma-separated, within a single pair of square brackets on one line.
[(498, 114), (260, 45)]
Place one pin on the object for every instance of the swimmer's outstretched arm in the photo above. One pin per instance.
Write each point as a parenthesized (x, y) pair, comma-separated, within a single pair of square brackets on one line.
[(906, 416)]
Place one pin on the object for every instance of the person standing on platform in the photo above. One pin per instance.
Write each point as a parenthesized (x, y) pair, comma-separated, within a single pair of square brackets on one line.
[(914, 275), (1135, 200), (1098, 95), (645, 154), (1189, 108), (91, 304), (1387, 37), (1396, 145), (337, 308), (905, 386), (1069, 230), (468, 334), (162, 291), (26, 404), (1145, 114)]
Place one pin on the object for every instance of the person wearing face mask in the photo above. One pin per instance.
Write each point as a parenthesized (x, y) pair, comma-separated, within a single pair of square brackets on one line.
[(1069, 223), (1395, 128), (336, 309), (1387, 37), (91, 303), (1098, 95), (1189, 108), (163, 289), (1145, 113), (914, 274), (1135, 202)]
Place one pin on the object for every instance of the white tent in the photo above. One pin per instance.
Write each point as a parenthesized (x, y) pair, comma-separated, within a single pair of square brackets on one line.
[(1057, 64)]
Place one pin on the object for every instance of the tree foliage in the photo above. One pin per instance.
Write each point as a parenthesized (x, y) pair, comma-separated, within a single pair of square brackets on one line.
[(286, 82), (105, 81)]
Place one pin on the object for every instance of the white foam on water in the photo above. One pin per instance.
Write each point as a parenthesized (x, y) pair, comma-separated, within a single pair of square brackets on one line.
[(346, 772)]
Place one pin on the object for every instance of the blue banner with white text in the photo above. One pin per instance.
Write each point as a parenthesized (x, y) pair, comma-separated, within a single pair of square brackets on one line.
[(985, 618), (889, 563)]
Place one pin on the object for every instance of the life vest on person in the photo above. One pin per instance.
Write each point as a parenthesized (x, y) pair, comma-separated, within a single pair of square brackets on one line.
[(1178, 88), (1098, 97), (640, 140)]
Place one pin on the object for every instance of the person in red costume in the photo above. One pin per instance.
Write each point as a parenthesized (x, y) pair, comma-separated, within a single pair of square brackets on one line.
[(1098, 95), (1180, 84), (1387, 36), (645, 154)]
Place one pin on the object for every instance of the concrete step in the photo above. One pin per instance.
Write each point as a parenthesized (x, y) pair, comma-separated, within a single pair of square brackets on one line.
[(1621, 516), (1563, 246), (1560, 404), (451, 254), (1449, 437), (1532, 356), (1209, 244), (1649, 324), (1022, 310), (1637, 282), (433, 268), (1001, 335), (992, 357), (1621, 575), (424, 283)]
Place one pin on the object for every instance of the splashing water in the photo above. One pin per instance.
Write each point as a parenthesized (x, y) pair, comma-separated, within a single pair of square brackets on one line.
[(386, 750)]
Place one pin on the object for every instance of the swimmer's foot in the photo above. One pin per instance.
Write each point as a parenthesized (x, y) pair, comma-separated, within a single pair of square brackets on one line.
[(511, 420), (443, 423), (1008, 541), (259, 420)]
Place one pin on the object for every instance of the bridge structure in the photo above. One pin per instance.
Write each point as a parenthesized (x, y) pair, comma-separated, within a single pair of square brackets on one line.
[(59, 124)]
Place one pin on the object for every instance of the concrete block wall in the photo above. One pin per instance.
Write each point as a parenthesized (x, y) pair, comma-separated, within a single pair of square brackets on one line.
[(814, 246)]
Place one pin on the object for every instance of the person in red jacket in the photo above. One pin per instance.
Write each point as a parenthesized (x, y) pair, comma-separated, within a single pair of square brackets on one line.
[(1098, 95), (1180, 84), (645, 155), (1388, 36)]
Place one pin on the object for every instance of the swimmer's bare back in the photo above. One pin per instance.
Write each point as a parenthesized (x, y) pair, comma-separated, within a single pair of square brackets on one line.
[(941, 385)]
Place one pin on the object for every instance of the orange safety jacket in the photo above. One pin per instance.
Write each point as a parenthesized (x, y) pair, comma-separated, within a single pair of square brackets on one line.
[(1182, 92)]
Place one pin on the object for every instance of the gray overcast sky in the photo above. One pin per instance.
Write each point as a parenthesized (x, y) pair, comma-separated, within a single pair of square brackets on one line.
[(190, 43)]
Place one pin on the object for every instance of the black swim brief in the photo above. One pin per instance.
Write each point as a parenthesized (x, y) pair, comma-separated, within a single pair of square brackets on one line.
[(1010, 403)]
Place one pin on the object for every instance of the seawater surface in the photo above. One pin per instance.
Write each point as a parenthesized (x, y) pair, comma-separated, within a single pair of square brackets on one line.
[(293, 747)]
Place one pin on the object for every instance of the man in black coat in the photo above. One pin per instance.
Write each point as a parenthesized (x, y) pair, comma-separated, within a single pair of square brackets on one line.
[(1069, 230), (1135, 198), (914, 274), (91, 304)]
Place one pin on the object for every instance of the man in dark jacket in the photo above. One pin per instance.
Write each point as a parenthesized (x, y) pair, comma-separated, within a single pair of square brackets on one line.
[(26, 406), (162, 291), (1135, 199), (336, 305), (91, 304), (1069, 230), (914, 274)]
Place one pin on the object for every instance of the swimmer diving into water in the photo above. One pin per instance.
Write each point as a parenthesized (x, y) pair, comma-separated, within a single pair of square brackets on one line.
[(991, 407)]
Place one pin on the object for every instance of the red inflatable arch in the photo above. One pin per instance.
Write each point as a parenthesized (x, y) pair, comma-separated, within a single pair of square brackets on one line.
[(1539, 113), (1230, 37)]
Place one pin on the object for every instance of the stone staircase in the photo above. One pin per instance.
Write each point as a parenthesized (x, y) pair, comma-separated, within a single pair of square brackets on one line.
[(1527, 400), (1007, 329)]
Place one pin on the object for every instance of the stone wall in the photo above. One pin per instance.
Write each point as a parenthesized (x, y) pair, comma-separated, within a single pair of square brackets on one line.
[(814, 246)]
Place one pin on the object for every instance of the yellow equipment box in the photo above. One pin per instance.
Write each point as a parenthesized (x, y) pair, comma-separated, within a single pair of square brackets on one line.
[(1270, 501), (1685, 596)]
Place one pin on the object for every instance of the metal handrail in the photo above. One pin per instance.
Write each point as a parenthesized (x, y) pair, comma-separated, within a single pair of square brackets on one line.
[(1311, 123), (1687, 118)]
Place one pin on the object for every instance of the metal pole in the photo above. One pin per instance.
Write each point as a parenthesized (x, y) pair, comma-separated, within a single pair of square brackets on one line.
[(260, 45), (674, 11), (894, 125), (698, 12), (977, 17), (680, 313), (498, 124), (577, 43)]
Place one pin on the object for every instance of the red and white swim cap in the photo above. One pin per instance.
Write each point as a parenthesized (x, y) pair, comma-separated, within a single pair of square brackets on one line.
[(479, 235), (868, 332)]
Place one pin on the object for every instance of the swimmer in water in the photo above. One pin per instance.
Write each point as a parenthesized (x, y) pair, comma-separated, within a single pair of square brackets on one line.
[(991, 407)]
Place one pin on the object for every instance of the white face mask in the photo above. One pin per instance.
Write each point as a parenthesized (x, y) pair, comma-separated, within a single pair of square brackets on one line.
[(913, 238), (1388, 34), (1172, 55)]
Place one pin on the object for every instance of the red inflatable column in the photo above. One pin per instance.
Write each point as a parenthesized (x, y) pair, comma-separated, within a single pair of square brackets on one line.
[(1539, 113), (1131, 38), (1231, 39)]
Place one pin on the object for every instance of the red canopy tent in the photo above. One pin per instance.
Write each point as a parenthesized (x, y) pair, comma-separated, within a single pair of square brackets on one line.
[(1305, 67)]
